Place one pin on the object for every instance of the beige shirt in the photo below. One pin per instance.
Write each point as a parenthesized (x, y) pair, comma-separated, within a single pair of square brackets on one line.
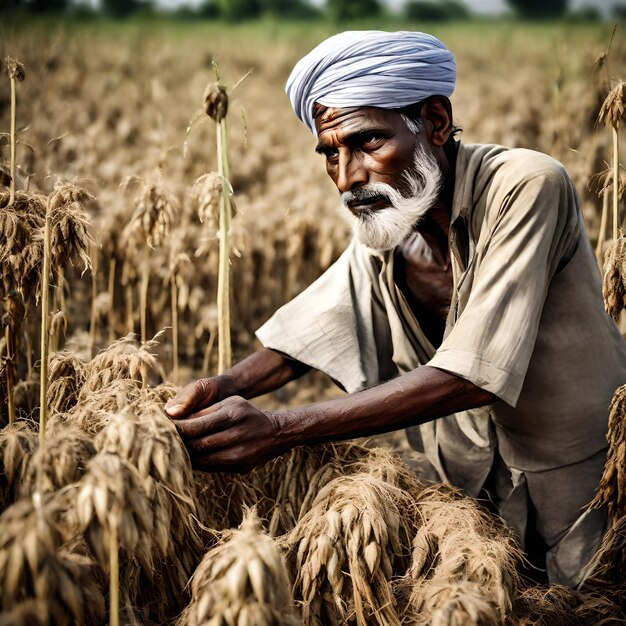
[(526, 322)]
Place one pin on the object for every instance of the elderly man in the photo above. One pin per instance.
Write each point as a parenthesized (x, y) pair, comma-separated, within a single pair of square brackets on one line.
[(466, 308)]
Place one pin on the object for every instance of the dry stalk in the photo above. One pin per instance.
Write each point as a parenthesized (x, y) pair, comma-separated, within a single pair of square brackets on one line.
[(35, 566), (241, 581), (216, 107), (459, 547), (66, 238), (611, 491), (16, 73), (611, 114), (179, 265), (20, 259), (155, 210), (145, 437), (344, 552), (113, 511)]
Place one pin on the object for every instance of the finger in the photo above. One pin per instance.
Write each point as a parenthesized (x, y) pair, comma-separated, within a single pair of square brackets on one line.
[(190, 398), (208, 444), (208, 421), (226, 460)]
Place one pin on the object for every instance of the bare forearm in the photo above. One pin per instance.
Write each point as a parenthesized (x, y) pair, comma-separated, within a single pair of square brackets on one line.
[(413, 398), (261, 372)]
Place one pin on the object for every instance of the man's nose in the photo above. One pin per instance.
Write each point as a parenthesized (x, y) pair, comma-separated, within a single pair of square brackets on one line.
[(351, 172)]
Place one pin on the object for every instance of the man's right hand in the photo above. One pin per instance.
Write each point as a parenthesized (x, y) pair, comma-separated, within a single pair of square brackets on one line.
[(194, 397)]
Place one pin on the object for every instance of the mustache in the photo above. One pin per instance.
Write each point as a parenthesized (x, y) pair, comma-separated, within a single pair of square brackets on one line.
[(412, 182), (367, 194)]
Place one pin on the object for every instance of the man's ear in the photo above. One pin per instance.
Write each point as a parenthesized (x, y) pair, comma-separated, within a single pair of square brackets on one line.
[(438, 111)]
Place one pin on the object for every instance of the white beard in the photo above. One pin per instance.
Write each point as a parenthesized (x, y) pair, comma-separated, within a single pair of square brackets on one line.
[(386, 228)]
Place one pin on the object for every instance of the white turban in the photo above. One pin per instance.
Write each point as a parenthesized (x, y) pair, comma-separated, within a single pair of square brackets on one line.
[(371, 68)]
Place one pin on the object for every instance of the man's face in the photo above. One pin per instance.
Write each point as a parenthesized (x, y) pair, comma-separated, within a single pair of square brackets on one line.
[(364, 145), (387, 175)]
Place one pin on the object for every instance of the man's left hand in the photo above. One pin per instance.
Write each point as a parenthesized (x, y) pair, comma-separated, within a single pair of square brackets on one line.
[(231, 436)]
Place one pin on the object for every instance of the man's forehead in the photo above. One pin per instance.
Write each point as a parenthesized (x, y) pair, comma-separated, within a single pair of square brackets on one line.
[(346, 118)]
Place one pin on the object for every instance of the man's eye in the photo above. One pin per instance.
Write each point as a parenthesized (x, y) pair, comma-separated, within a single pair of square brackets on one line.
[(370, 140), (330, 155)]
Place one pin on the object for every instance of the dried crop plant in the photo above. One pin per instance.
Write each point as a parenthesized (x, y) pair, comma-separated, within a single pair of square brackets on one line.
[(66, 239), (607, 569), (37, 566), (345, 550), (222, 498), (113, 511), (611, 491), (61, 461), (145, 437), (17, 444), (291, 482), (459, 547), (241, 582), (125, 359), (216, 100), (558, 605), (66, 376), (21, 253), (179, 267), (610, 115), (16, 73), (386, 465), (155, 211)]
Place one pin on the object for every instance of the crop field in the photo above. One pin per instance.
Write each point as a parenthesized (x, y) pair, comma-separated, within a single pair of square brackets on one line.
[(110, 262)]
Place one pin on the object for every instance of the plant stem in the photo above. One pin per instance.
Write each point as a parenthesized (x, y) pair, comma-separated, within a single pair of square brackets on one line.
[(114, 580), (94, 293), (174, 299), (207, 352), (29, 356), (615, 181), (130, 318), (223, 283), (45, 296), (10, 370), (13, 109), (143, 298), (603, 221), (111, 289)]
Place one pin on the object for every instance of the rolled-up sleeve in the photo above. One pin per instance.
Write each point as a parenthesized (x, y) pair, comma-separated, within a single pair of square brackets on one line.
[(531, 230)]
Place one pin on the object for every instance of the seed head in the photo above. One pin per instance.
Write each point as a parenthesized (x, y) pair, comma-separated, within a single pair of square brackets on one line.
[(154, 213), (612, 109), (216, 101), (70, 237), (15, 69), (206, 196)]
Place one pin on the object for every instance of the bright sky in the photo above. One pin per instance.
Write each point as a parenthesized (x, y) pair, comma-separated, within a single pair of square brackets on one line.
[(477, 6)]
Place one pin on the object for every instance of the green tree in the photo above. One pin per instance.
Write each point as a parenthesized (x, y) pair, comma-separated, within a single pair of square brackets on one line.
[(295, 9), (46, 6), (432, 11), (539, 9), (340, 10), (122, 8), (238, 9)]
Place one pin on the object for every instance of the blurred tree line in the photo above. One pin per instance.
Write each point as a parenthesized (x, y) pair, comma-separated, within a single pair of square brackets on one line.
[(336, 10)]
